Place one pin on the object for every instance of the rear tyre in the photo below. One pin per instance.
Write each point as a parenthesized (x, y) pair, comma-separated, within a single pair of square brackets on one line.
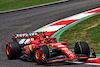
[(41, 54), (13, 50), (82, 48)]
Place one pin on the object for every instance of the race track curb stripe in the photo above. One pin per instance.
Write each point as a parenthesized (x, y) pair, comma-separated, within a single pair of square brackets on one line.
[(72, 24)]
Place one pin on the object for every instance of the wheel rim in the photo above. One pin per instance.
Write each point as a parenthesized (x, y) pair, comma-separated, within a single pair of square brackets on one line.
[(37, 55), (8, 51)]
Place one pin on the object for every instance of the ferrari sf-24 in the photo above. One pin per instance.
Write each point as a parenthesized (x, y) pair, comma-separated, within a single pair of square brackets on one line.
[(44, 49)]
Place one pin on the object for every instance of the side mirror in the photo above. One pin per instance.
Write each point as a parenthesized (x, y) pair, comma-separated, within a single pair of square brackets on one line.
[(65, 40)]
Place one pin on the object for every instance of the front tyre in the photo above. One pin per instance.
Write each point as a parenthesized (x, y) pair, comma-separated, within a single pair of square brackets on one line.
[(82, 48), (41, 54)]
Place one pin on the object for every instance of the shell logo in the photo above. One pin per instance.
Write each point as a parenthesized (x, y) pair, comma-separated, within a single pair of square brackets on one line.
[(52, 44), (64, 48)]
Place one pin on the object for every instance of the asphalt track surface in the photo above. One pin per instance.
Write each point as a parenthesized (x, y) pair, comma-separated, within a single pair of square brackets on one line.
[(29, 20)]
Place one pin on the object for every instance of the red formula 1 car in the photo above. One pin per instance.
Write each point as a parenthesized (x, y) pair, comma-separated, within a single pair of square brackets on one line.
[(43, 49)]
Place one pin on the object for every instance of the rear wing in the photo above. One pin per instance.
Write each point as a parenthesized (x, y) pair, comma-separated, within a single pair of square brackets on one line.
[(25, 36)]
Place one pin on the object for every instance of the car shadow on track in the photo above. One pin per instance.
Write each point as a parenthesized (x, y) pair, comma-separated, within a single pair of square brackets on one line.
[(60, 64), (54, 64)]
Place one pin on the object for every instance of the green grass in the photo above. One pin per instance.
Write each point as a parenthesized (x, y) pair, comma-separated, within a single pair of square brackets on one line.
[(15, 4), (88, 30)]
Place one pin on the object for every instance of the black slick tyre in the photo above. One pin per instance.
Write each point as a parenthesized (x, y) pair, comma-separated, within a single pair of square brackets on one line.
[(13, 50), (82, 48)]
